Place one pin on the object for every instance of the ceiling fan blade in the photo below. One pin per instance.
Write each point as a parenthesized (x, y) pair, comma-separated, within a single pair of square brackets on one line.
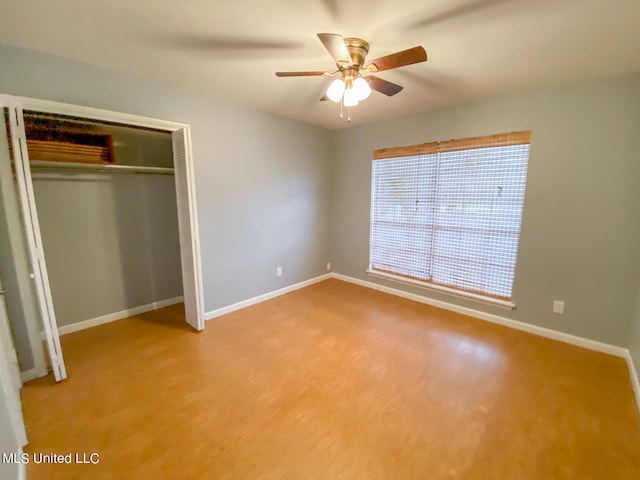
[(336, 47), (382, 86), (466, 8), (324, 98), (301, 74), (220, 46), (398, 59)]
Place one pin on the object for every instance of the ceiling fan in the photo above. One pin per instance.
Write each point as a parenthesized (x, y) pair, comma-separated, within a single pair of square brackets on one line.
[(352, 86)]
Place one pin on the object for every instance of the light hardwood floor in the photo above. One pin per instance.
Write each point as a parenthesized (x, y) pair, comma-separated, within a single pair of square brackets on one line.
[(334, 381)]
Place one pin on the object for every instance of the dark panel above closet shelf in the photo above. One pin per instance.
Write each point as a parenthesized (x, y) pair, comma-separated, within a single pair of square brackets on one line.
[(64, 145)]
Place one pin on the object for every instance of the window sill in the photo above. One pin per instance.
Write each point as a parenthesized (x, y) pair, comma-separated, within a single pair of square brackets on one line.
[(507, 305)]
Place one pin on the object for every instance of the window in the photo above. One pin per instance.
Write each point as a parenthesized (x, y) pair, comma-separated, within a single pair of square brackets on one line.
[(448, 214)]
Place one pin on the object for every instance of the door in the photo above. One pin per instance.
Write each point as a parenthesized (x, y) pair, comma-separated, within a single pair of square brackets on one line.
[(10, 359), (12, 431), (187, 225), (10, 382), (38, 272)]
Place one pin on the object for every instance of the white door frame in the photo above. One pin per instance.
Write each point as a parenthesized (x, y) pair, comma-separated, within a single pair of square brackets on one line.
[(187, 209)]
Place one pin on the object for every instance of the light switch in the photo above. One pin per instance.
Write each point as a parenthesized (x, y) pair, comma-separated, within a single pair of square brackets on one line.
[(558, 306)]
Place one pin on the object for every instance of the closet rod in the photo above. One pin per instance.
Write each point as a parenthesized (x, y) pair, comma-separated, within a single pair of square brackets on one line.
[(86, 167)]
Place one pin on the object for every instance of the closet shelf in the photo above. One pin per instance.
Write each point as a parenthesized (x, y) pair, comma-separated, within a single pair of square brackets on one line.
[(100, 168)]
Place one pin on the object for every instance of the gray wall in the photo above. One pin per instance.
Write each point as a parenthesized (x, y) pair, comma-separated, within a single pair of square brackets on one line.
[(137, 147), (261, 180), (580, 237), (111, 241), (634, 338)]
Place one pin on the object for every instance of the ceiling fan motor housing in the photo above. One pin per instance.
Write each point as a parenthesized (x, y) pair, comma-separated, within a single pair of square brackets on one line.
[(358, 49)]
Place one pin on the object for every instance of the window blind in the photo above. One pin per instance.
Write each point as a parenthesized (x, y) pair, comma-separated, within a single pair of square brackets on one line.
[(449, 213)]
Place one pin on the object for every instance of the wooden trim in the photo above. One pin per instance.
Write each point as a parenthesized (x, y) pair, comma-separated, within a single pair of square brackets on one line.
[(497, 140), (408, 151)]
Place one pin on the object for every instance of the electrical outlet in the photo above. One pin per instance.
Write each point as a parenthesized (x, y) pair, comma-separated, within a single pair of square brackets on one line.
[(329, 266), (558, 306), (278, 271)]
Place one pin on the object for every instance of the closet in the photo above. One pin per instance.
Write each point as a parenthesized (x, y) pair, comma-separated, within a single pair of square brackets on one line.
[(99, 217), (106, 203)]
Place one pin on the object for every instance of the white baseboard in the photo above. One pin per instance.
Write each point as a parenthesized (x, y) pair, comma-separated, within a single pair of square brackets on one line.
[(112, 317), (266, 296), (635, 381), (507, 322), (489, 317), (32, 374)]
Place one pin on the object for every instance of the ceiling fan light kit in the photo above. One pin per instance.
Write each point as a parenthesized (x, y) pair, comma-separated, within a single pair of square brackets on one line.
[(349, 90), (362, 88), (351, 87), (336, 90)]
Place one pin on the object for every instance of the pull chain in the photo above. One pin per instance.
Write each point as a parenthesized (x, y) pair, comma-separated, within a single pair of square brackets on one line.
[(341, 116)]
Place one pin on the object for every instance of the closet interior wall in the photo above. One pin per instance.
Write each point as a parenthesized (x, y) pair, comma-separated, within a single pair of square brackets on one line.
[(111, 239)]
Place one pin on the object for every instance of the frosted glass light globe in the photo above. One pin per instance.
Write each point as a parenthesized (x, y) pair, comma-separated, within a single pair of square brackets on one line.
[(350, 98), (335, 90), (361, 88)]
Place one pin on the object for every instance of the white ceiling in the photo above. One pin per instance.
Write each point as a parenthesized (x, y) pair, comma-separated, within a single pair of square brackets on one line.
[(231, 49)]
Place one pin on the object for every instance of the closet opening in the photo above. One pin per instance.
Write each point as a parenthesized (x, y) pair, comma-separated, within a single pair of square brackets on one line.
[(103, 223), (108, 217)]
